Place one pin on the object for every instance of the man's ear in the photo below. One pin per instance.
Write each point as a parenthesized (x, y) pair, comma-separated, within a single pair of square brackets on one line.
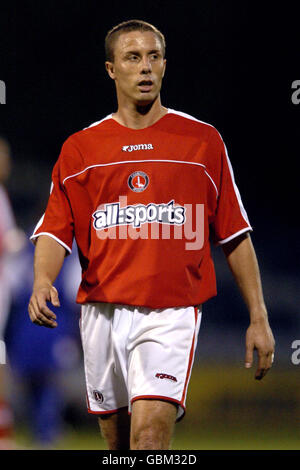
[(165, 64), (110, 69)]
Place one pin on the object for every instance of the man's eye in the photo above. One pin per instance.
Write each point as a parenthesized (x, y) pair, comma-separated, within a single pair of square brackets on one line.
[(133, 57)]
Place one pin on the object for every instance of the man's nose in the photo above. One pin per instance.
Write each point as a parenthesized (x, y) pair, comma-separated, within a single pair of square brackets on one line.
[(146, 65)]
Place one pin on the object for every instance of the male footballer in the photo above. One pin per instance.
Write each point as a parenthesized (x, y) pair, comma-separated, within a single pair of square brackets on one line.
[(143, 192)]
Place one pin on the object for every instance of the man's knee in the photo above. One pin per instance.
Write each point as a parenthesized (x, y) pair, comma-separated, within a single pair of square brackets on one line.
[(152, 424), (151, 435)]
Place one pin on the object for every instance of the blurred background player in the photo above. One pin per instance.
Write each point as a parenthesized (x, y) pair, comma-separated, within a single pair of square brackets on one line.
[(41, 363), (12, 241), (30, 388)]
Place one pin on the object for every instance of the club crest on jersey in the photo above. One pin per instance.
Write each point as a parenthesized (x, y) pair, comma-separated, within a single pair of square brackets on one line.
[(131, 148), (138, 181)]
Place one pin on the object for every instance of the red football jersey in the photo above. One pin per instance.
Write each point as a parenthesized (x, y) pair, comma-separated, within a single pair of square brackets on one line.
[(143, 206)]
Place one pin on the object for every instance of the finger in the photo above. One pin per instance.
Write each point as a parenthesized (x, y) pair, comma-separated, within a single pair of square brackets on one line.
[(270, 360), (39, 307), (43, 307), (45, 321), (249, 356), (260, 374), (54, 297), (39, 317), (33, 316), (264, 364), (260, 368), (33, 311)]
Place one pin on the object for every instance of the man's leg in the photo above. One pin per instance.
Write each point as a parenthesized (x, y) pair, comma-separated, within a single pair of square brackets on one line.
[(115, 429), (152, 424)]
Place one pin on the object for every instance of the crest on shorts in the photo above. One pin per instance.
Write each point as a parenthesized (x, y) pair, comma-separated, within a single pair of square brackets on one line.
[(98, 396), (138, 181)]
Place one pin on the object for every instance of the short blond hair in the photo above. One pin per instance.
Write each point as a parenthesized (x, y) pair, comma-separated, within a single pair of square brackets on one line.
[(126, 27)]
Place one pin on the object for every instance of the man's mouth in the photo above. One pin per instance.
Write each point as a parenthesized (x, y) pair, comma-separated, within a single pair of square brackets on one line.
[(145, 86)]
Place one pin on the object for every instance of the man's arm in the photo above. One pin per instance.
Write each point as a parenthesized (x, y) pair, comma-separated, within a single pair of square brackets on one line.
[(243, 264), (48, 259)]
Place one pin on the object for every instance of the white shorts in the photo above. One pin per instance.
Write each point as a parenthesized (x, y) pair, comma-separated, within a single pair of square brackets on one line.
[(133, 353)]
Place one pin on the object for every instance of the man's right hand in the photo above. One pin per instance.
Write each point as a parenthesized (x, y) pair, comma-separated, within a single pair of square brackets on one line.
[(48, 259), (38, 310)]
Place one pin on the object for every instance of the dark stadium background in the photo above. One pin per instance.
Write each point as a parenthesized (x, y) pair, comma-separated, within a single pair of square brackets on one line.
[(231, 64)]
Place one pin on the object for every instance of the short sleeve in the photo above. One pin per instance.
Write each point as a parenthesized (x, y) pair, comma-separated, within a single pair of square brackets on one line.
[(230, 219), (57, 221)]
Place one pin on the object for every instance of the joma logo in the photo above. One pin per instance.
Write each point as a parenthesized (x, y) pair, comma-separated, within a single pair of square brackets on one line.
[(165, 376), (131, 148)]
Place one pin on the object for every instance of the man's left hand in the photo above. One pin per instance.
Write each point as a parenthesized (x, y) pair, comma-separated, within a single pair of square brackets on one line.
[(259, 337)]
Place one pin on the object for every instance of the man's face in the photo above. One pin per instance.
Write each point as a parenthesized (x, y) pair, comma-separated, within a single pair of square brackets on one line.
[(138, 67)]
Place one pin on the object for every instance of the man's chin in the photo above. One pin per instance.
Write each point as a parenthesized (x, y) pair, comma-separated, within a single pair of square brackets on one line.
[(146, 99)]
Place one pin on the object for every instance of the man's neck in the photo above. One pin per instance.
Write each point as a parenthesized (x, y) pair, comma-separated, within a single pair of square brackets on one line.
[(139, 117)]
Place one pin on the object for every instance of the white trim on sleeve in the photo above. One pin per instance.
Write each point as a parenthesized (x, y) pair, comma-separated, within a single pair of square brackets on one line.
[(236, 234), (52, 236), (236, 190), (39, 223)]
